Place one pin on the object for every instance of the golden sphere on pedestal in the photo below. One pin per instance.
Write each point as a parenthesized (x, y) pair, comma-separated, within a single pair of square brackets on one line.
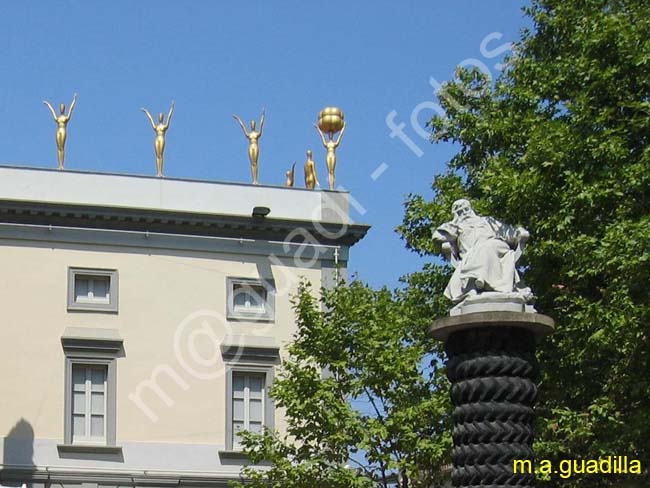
[(331, 119)]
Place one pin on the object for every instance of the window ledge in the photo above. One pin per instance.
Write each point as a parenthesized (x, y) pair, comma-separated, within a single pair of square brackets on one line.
[(238, 458), (234, 455), (89, 448), (250, 318), (92, 309)]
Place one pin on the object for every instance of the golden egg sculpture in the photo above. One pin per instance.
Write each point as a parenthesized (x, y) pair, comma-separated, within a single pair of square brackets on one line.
[(330, 120)]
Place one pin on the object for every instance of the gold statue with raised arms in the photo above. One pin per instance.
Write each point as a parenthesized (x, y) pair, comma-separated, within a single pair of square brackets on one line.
[(253, 137), (62, 130), (160, 129), (331, 120)]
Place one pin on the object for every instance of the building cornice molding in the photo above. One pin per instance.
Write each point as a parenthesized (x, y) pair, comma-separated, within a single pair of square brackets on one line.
[(176, 222)]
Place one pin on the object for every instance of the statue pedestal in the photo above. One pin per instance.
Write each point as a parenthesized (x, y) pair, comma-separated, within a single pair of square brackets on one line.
[(492, 368), (493, 302)]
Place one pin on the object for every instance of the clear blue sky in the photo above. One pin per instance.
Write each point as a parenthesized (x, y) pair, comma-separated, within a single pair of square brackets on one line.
[(216, 58)]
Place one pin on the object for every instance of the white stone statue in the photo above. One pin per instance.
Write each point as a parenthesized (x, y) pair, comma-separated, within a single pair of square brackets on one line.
[(483, 252)]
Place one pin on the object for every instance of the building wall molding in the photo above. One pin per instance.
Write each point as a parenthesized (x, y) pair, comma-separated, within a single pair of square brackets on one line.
[(157, 221), (250, 350), (118, 240)]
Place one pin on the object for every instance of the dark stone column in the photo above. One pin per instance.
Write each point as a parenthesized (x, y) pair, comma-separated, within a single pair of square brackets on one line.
[(492, 368)]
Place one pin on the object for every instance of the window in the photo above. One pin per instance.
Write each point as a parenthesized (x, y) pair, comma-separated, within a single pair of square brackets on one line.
[(248, 404), (89, 403), (250, 362), (248, 398), (92, 289), (250, 299), (90, 389)]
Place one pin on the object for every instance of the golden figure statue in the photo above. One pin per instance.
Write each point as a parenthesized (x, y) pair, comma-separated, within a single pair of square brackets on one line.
[(62, 131), (253, 137), (331, 120), (290, 176), (160, 128), (311, 180)]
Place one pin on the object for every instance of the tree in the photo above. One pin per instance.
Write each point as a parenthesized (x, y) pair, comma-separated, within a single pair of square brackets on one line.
[(559, 144), (359, 410)]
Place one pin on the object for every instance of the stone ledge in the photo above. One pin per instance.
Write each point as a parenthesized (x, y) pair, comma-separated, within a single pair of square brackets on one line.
[(88, 448), (234, 455), (540, 325)]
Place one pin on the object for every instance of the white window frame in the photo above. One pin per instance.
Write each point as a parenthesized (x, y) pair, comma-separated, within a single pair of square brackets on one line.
[(246, 375), (248, 356), (234, 313), (88, 347), (94, 306), (88, 414), (268, 409)]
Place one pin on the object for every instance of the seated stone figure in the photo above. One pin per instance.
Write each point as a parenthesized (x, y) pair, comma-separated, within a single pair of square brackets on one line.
[(484, 252)]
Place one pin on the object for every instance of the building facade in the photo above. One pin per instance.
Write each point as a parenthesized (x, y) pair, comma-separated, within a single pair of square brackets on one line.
[(145, 318)]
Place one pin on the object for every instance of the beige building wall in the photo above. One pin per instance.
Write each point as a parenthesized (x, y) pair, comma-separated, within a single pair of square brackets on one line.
[(166, 301)]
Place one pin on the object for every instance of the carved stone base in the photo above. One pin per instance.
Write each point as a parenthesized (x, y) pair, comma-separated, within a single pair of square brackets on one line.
[(490, 301)]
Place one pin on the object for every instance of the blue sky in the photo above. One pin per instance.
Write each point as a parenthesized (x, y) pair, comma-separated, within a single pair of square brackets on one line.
[(216, 58)]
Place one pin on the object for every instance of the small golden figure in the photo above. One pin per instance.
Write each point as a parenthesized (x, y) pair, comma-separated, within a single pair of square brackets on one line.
[(290, 176), (159, 141), (253, 137), (311, 180), (62, 131), (331, 120)]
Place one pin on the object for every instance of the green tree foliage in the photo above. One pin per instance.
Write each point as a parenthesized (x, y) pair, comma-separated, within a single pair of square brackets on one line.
[(559, 144), (359, 410)]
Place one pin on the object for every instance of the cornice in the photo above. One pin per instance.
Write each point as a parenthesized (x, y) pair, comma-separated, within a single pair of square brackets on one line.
[(182, 223)]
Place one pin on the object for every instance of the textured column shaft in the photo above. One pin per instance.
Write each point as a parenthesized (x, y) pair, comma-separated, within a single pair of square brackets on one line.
[(492, 368), (493, 372)]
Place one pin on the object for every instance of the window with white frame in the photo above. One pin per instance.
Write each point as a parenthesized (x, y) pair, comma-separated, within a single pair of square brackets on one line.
[(92, 289), (250, 367), (91, 356), (250, 299), (89, 403), (248, 404)]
